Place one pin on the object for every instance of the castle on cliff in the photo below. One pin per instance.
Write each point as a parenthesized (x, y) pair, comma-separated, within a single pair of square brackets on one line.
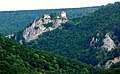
[(63, 18)]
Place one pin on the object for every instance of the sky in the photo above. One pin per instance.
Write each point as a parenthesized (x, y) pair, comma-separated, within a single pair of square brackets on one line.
[(10, 5)]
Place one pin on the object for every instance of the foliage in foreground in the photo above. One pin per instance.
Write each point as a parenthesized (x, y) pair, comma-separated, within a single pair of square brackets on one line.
[(16, 58)]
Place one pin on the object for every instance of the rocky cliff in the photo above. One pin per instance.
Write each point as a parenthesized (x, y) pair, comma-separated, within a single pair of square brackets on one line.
[(37, 28), (108, 43), (111, 62), (9, 36)]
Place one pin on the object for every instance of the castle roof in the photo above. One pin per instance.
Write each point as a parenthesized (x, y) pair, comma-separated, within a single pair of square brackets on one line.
[(63, 12), (46, 16)]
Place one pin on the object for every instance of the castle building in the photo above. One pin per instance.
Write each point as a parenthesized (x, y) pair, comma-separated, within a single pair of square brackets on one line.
[(47, 16), (63, 14)]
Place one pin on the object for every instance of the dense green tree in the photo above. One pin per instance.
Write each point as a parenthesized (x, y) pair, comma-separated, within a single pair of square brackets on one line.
[(53, 15), (16, 58)]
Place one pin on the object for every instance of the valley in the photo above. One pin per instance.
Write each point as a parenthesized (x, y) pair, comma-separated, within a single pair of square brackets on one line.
[(63, 41)]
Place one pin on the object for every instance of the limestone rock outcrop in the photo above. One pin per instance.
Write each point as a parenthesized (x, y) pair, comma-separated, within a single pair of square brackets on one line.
[(37, 28), (9, 36), (95, 40), (33, 31), (111, 62), (108, 43)]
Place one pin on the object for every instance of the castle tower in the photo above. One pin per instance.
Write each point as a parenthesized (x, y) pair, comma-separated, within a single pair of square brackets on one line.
[(63, 14), (47, 16)]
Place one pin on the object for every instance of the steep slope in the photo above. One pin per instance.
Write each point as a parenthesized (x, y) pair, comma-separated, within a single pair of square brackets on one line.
[(111, 62), (18, 59), (74, 39), (14, 21), (38, 27)]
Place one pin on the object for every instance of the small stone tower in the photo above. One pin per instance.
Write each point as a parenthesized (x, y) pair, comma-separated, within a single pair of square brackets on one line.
[(63, 14)]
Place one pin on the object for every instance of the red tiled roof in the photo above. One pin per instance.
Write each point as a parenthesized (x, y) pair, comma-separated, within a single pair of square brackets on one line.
[(63, 12), (46, 14)]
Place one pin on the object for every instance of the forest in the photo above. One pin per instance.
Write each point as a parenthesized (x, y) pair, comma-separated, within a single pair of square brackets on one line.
[(18, 59), (14, 21)]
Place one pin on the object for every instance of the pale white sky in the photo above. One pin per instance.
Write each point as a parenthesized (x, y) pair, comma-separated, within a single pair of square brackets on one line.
[(6, 5)]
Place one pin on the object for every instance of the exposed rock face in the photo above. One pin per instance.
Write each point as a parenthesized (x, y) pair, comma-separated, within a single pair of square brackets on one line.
[(20, 42), (9, 36), (94, 41), (110, 62), (108, 43), (34, 30), (37, 28)]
